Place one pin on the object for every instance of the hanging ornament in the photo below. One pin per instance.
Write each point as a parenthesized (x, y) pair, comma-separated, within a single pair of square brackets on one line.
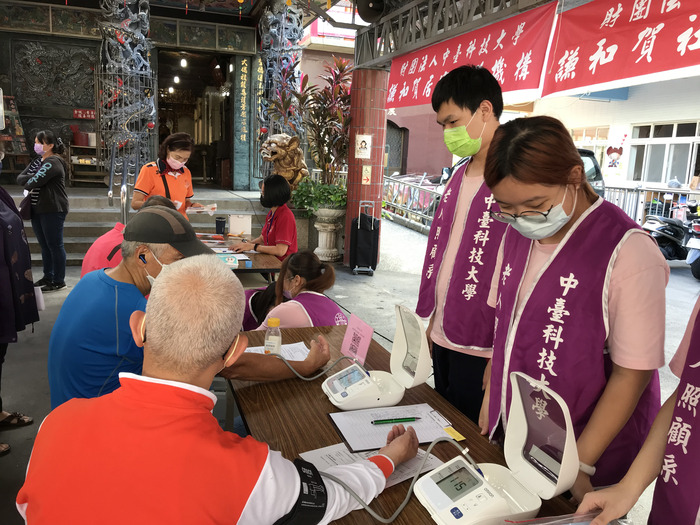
[(187, 5), (240, 8)]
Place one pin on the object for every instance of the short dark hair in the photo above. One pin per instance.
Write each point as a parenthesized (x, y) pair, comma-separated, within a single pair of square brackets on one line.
[(159, 200), (467, 87), (175, 142), (277, 191), (50, 139)]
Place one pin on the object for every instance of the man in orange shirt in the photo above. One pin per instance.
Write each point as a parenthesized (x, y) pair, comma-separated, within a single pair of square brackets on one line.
[(152, 452)]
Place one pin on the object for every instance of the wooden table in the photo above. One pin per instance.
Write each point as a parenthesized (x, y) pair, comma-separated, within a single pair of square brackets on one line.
[(261, 263), (292, 417)]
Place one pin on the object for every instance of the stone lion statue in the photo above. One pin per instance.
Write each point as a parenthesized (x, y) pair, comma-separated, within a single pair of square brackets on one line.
[(286, 157)]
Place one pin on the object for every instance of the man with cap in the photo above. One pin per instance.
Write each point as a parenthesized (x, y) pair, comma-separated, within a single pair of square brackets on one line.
[(91, 340)]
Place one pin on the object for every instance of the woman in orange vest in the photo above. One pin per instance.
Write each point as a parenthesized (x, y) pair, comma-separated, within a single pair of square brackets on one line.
[(168, 176)]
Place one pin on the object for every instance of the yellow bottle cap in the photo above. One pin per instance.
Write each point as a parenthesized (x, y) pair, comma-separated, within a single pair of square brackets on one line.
[(273, 322)]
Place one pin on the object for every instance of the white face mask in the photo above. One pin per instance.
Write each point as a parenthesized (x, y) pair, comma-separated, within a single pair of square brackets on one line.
[(535, 228), (163, 268)]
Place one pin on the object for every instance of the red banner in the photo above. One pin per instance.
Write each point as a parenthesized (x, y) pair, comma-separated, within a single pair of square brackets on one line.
[(512, 49), (613, 43)]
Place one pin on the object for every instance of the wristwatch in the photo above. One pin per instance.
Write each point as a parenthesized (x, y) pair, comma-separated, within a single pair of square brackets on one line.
[(255, 247)]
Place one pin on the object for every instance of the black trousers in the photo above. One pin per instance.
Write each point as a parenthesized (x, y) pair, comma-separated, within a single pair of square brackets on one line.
[(3, 351), (458, 378)]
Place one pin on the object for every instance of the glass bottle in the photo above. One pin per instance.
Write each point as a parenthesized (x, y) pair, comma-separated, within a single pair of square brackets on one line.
[(273, 336)]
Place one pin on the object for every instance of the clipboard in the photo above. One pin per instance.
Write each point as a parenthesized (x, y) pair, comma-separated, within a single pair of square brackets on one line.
[(359, 435)]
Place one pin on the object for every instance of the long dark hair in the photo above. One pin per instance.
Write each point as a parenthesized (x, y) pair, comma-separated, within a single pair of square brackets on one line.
[(319, 276), (175, 142), (48, 138)]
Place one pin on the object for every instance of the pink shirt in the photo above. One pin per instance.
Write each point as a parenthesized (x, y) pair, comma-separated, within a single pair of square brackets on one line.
[(470, 185), (678, 362), (636, 300), (290, 314), (96, 256)]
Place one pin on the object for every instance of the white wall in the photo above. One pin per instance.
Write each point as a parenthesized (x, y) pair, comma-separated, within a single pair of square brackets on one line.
[(669, 101)]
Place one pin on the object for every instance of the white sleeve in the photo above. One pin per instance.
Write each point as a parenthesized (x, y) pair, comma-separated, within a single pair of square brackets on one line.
[(277, 490)]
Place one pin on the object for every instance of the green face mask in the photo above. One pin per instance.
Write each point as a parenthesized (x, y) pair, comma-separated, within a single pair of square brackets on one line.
[(459, 142)]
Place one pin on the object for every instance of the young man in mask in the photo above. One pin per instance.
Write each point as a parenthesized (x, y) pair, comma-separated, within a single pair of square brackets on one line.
[(463, 241)]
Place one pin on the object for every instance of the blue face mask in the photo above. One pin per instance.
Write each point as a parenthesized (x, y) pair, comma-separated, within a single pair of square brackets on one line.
[(540, 227)]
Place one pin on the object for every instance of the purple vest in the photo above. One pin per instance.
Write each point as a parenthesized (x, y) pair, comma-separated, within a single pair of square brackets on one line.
[(249, 320), (677, 496), (467, 319), (558, 333), (321, 310)]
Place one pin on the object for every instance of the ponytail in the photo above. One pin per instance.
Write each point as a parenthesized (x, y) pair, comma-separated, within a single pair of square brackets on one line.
[(319, 276)]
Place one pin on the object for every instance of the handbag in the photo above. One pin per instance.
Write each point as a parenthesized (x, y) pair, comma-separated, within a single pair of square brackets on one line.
[(25, 208)]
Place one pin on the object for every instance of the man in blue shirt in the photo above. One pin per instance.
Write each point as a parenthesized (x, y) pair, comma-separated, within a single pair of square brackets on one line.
[(91, 341)]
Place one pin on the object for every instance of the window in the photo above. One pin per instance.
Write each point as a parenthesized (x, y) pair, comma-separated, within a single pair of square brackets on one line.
[(662, 152)]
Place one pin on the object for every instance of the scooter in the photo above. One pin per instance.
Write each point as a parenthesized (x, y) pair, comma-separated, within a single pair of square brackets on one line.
[(677, 238)]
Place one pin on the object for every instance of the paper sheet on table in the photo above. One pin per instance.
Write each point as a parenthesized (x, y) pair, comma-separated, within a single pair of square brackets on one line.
[(291, 352), (360, 434), (326, 457), (209, 208)]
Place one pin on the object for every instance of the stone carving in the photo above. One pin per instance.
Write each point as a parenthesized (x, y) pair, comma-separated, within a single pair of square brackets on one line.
[(286, 157)]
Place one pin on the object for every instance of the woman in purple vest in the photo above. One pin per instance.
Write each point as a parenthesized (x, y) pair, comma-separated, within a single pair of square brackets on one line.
[(671, 453), (579, 297), (304, 278)]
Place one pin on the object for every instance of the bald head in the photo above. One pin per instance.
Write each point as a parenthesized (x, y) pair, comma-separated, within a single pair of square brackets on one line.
[(193, 314)]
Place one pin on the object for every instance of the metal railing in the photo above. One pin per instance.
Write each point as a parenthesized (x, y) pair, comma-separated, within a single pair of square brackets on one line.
[(412, 201), (640, 201)]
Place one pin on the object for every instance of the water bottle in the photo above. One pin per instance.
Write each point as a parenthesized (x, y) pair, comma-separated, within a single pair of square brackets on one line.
[(273, 336)]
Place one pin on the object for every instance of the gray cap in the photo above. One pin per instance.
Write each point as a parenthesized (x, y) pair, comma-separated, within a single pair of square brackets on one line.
[(161, 225)]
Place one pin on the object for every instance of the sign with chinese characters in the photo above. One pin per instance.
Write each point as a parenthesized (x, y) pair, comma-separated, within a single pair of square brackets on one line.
[(88, 114), (512, 49), (604, 44)]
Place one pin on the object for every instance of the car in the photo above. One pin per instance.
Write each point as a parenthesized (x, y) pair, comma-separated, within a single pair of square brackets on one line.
[(592, 169)]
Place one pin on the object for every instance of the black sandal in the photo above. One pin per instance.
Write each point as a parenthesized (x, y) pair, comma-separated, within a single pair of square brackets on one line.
[(4, 449), (15, 420)]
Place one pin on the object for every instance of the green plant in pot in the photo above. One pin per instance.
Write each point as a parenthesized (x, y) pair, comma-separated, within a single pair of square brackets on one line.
[(310, 195)]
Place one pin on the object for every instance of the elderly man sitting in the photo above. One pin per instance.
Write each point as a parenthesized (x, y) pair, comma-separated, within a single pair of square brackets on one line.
[(91, 341), (152, 452)]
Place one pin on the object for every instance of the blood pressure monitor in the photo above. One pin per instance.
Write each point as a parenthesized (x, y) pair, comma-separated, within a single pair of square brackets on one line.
[(540, 449), (354, 388)]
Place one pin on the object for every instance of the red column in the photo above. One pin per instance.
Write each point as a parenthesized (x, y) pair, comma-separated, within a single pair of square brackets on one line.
[(368, 113)]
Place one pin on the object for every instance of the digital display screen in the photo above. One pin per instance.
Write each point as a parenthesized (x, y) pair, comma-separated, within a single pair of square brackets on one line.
[(457, 484), (350, 377)]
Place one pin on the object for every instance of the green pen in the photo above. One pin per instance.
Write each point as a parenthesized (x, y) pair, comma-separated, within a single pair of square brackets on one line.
[(394, 421)]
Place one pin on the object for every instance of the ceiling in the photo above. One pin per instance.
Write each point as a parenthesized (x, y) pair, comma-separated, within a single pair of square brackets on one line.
[(200, 72)]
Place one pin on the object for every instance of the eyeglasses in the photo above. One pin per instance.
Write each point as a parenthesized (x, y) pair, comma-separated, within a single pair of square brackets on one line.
[(509, 218)]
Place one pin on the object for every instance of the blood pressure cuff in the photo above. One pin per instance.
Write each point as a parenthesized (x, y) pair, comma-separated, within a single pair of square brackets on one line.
[(313, 499)]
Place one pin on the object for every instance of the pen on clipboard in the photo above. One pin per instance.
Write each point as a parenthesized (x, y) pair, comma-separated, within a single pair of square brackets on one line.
[(394, 421)]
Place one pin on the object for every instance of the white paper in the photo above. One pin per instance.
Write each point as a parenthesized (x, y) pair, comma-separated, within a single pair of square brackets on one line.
[(291, 352), (360, 434), (326, 457), (209, 208)]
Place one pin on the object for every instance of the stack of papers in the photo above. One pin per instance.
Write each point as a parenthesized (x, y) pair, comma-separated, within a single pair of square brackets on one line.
[(326, 457)]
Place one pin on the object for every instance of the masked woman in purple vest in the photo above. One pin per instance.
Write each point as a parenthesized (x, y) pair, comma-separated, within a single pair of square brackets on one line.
[(671, 453), (304, 278), (579, 297)]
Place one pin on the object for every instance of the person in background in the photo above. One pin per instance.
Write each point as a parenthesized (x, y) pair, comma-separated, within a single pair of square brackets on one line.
[(258, 303), (17, 300), (279, 235), (106, 251), (197, 472), (579, 297), (463, 241), (168, 176), (304, 278), (44, 178), (671, 453)]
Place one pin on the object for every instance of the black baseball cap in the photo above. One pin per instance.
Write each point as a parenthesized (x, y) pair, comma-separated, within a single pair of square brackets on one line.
[(161, 225)]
